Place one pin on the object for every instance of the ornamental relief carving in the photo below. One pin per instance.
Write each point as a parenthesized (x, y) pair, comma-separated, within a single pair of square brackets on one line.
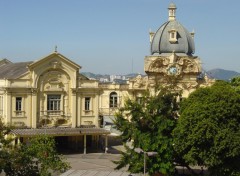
[(55, 64), (54, 87), (190, 85), (140, 82), (159, 65), (54, 81), (188, 65), (179, 66)]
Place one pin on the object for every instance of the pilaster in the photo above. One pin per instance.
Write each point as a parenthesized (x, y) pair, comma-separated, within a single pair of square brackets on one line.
[(8, 107), (74, 107), (79, 105), (96, 110), (34, 109)]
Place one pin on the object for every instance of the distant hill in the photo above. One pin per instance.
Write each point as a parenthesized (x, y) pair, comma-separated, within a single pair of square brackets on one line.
[(221, 74)]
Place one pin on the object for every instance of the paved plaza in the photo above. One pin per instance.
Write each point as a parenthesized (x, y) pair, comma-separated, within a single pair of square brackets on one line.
[(94, 164), (100, 164)]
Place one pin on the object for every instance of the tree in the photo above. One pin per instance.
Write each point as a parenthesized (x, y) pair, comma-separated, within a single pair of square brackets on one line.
[(148, 125), (19, 163), (207, 132), (235, 82), (42, 149), (37, 159), (5, 145)]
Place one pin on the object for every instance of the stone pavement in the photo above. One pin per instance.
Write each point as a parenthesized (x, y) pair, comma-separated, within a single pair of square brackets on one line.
[(94, 164), (100, 164)]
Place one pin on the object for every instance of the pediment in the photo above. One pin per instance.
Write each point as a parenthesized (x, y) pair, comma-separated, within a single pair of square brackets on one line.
[(54, 61)]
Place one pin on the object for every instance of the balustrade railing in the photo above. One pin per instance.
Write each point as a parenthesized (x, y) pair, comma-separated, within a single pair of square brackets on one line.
[(52, 113), (19, 113)]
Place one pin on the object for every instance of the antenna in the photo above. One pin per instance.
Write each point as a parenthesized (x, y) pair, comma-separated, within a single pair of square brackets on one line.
[(132, 65), (55, 49)]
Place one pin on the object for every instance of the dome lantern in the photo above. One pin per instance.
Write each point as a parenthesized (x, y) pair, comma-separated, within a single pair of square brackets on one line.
[(172, 12), (172, 36)]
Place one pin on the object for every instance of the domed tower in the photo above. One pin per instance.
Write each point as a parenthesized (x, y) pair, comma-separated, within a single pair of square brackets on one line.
[(172, 49)]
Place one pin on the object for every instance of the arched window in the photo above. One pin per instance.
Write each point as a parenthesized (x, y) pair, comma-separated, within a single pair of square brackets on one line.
[(113, 100)]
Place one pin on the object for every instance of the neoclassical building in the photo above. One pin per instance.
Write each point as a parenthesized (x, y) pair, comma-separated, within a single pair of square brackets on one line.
[(51, 96)]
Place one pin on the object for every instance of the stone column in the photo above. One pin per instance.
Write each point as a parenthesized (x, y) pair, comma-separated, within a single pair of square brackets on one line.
[(96, 110), (79, 109), (65, 108), (106, 143), (62, 109), (74, 106), (18, 141), (34, 109), (85, 144), (8, 107)]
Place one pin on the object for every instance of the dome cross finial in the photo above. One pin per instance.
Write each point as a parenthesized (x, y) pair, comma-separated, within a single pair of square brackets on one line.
[(55, 49), (172, 11)]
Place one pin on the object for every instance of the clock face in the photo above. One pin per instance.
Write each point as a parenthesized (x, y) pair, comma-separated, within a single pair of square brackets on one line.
[(173, 70)]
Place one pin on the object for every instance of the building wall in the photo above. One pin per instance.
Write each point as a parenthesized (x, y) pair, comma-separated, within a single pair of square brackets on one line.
[(53, 93)]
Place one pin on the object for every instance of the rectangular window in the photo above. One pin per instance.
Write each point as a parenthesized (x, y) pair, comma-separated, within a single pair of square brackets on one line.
[(53, 102), (87, 103), (18, 103)]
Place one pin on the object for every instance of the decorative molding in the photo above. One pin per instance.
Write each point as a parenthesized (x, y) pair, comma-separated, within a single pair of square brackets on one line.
[(182, 65), (140, 82), (55, 64), (159, 65)]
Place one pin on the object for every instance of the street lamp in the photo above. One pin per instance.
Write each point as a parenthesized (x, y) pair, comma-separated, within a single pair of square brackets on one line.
[(139, 150)]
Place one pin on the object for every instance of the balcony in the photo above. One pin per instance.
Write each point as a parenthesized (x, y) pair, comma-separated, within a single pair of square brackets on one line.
[(54, 113), (19, 113)]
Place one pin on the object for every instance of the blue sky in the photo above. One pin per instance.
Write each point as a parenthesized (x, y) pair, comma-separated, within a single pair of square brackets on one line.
[(111, 36)]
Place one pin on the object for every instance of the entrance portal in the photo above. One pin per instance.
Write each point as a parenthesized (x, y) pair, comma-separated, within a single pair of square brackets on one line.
[(62, 144)]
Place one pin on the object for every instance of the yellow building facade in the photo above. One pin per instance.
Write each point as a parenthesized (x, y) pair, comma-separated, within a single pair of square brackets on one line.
[(51, 96)]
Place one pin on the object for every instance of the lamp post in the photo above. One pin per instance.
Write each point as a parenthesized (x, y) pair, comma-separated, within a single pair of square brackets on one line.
[(139, 150)]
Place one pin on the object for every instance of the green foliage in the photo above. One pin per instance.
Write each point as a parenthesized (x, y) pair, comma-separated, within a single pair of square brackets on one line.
[(39, 158), (5, 144), (208, 130), (148, 125), (20, 164), (235, 82), (42, 149)]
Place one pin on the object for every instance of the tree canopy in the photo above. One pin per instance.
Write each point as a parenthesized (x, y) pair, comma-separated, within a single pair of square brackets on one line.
[(38, 158), (235, 82), (148, 125), (5, 145), (208, 130)]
